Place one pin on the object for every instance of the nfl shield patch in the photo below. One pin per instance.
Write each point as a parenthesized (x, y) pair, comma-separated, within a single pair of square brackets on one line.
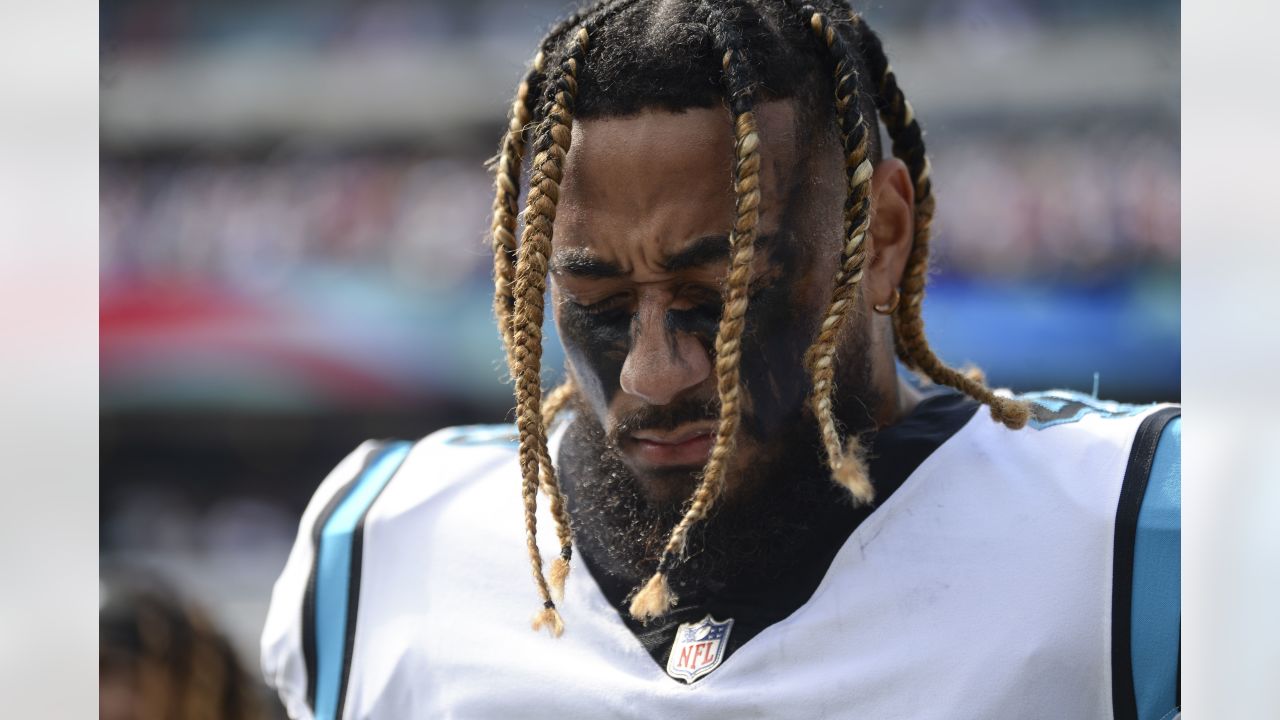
[(698, 649)]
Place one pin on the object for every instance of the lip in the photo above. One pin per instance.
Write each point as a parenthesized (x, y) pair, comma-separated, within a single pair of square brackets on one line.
[(688, 445)]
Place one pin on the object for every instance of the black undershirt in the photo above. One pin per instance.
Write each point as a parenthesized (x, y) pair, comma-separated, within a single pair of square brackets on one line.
[(755, 603)]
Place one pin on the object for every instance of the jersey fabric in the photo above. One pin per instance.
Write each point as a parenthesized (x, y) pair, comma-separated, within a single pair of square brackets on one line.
[(1010, 574)]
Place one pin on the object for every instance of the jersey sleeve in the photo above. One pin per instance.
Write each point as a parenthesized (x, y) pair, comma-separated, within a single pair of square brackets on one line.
[(308, 639), (1157, 553), (284, 662)]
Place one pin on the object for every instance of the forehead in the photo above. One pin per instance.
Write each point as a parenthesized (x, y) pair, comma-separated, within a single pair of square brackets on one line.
[(639, 186)]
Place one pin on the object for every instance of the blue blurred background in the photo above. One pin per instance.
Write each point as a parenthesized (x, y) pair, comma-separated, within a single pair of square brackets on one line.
[(294, 256)]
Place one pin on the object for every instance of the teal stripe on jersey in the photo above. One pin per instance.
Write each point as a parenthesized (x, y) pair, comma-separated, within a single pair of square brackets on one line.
[(334, 576), (1157, 553)]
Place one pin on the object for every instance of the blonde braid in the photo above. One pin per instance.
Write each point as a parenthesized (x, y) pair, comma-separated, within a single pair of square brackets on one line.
[(655, 598), (543, 194), (847, 465), (507, 179), (908, 145), (506, 196), (507, 183), (552, 405), (507, 169), (530, 284), (206, 680), (557, 400), (155, 664), (184, 666)]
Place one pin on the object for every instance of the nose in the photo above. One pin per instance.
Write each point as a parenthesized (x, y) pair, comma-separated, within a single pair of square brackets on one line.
[(662, 363)]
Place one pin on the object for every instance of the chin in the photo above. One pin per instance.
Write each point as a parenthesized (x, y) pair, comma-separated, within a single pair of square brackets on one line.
[(666, 487)]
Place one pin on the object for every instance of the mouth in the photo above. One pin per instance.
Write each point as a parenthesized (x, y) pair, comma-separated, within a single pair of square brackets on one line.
[(686, 446)]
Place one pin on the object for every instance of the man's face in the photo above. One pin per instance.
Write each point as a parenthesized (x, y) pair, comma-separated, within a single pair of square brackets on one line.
[(639, 257)]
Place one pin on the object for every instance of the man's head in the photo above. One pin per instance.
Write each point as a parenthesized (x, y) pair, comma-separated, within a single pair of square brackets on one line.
[(638, 264), (718, 239)]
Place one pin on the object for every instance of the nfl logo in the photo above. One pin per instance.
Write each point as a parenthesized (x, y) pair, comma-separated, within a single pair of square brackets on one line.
[(698, 649)]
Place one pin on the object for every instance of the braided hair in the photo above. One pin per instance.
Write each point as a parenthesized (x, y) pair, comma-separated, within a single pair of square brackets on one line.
[(172, 659), (622, 56)]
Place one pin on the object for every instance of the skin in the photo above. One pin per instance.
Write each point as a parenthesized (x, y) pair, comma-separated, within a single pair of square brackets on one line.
[(638, 258)]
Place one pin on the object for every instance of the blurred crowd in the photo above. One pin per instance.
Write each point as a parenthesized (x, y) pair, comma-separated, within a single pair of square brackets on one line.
[(1070, 208), (158, 26), (258, 225)]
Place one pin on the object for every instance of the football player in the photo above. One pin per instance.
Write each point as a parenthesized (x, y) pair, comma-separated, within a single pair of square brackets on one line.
[(763, 517)]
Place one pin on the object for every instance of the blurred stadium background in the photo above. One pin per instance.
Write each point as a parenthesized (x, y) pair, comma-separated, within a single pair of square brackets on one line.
[(293, 255)]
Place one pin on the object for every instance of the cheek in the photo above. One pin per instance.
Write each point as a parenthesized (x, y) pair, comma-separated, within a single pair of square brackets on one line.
[(779, 330), (782, 321), (701, 322), (596, 350)]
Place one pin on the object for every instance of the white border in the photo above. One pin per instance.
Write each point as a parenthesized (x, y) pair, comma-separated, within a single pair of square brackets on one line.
[(48, 361), (1231, 250)]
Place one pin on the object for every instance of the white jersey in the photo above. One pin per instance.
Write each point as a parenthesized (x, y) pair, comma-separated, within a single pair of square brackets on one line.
[(1012, 574)]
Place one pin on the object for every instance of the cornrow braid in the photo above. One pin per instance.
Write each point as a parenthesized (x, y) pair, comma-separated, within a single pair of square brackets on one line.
[(655, 598), (183, 667), (507, 169), (506, 196), (847, 465), (531, 279), (908, 145), (556, 401), (507, 183), (515, 279), (552, 405), (156, 681), (206, 674)]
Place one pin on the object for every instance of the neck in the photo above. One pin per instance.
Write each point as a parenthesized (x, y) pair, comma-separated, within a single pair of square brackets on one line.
[(902, 401), (891, 398)]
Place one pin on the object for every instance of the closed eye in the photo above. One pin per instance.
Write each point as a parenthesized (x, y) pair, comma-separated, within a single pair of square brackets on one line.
[(700, 301), (609, 307)]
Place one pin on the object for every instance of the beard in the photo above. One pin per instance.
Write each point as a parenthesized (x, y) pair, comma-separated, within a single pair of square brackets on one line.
[(766, 515)]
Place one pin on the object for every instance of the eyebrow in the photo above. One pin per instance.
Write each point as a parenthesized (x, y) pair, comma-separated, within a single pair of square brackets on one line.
[(582, 263), (703, 251)]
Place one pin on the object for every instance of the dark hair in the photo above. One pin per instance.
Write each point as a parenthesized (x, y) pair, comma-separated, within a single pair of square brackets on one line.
[(176, 662), (619, 57)]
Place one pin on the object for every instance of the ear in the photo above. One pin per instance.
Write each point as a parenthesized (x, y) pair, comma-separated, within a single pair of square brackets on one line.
[(892, 228)]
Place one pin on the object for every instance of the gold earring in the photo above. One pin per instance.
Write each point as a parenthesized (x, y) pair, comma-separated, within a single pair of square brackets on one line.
[(889, 307)]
